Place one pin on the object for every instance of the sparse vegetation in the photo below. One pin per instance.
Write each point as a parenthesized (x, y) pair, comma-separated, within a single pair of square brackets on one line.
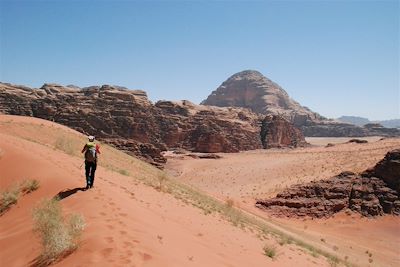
[(333, 261), (59, 235), (162, 177), (66, 145), (11, 196), (123, 172), (29, 186), (269, 251)]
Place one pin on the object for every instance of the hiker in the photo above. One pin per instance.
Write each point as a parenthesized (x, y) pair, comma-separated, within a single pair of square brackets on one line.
[(91, 149)]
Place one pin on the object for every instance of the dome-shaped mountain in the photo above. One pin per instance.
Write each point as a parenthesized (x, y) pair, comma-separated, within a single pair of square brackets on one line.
[(251, 89)]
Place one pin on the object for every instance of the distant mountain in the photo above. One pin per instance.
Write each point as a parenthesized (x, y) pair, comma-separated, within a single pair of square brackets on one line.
[(250, 89), (360, 121)]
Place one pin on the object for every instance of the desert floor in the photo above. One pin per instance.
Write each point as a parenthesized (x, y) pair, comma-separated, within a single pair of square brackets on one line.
[(247, 176), (129, 222)]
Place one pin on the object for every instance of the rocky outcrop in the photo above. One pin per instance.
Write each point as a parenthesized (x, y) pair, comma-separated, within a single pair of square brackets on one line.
[(375, 192), (129, 121), (250, 89), (277, 132), (388, 169)]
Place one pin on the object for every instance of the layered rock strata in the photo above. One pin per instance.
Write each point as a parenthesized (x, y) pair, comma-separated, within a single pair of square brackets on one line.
[(128, 120), (372, 193)]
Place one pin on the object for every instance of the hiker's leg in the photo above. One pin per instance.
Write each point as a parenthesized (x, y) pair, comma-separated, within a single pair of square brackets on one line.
[(92, 172), (87, 169)]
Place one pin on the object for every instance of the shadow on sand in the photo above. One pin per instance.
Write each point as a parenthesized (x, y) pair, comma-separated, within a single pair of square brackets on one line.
[(66, 193)]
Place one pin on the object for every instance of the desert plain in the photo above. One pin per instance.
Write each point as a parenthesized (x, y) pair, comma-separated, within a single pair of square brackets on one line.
[(137, 215)]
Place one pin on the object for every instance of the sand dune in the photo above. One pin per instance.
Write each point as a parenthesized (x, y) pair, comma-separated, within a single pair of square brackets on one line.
[(128, 222)]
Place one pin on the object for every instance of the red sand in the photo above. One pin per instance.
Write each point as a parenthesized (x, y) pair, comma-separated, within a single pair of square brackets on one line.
[(128, 223)]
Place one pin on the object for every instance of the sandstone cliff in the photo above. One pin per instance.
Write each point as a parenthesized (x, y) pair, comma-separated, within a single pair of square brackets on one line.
[(128, 120), (250, 89), (372, 193), (278, 132)]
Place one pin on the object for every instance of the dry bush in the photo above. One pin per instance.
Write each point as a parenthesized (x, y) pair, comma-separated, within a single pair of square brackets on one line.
[(269, 251), (9, 198), (65, 144), (29, 186), (162, 177), (123, 172), (59, 235)]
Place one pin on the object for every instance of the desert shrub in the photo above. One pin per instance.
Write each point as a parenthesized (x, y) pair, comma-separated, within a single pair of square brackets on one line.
[(65, 144), (29, 186), (123, 172), (229, 202), (59, 235), (161, 180), (333, 261), (269, 251), (9, 198)]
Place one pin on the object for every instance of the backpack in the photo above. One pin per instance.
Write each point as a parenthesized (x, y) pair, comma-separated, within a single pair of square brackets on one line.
[(90, 154)]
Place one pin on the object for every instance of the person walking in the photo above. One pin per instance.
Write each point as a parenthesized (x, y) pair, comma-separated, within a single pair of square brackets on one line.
[(91, 149)]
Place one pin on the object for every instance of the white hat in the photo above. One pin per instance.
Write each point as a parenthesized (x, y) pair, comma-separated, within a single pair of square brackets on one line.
[(91, 138)]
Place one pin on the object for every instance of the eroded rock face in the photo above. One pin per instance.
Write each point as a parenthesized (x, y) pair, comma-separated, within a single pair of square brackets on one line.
[(250, 89), (277, 132), (129, 121), (375, 192)]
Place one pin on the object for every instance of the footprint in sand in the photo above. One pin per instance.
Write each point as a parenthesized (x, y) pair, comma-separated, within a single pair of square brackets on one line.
[(109, 239), (123, 214), (123, 232), (127, 244), (103, 214), (109, 226), (106, 252), (146, 257)]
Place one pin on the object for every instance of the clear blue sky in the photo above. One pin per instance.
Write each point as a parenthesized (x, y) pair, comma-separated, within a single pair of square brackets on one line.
[(336, 57)]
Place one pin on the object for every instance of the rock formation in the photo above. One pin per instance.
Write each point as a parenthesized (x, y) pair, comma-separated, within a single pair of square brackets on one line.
[(129, 121), (375, 192), (277, 132), (250, 89)]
